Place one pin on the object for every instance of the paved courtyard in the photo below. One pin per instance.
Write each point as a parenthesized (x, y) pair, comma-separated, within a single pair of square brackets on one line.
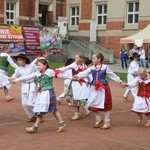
[(125, 134)]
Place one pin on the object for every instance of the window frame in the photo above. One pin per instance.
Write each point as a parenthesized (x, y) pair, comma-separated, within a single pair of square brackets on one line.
[(76, 16), (103, 14), (9, 11), (133, 13)]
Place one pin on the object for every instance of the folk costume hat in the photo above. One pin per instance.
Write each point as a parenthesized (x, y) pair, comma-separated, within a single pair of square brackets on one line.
[(23, 56)]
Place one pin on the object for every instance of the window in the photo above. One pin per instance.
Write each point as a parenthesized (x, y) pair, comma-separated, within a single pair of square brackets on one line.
[(101, 14), (133, 12), (10, 12), (74, 20)]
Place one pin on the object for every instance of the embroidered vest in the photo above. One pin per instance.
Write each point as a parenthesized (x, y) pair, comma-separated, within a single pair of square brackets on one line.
[(45, 82), (144, 90), (101, 76), (75, 72)]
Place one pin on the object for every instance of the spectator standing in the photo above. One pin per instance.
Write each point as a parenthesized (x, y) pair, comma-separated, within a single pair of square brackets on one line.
[(142, 57), (132, 51), (123, 57)]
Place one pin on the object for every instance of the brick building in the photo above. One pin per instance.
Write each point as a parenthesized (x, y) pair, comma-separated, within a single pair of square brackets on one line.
[(115, 19), (27, 12)]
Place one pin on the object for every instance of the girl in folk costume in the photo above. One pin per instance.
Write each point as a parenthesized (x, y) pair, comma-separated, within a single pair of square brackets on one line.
[(99, 98), (66, 81), (45, 101), (88, 63), (45, 55), (5, 61), (141, 104), (28, 90), (80, 90)]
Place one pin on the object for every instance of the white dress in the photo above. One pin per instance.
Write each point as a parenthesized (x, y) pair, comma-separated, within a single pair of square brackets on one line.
[(80, 91), (141, 103), (96, 98)]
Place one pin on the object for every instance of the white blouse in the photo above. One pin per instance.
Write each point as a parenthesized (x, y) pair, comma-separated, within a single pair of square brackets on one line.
[(109, 73)]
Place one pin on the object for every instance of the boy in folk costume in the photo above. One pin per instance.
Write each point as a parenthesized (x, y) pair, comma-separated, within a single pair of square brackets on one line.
[(28, 89), (5, 61), (132, 74), (99, 98), (80, 90), (141, 104)]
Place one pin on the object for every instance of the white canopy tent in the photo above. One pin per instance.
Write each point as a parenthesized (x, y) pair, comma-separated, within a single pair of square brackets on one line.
[(139, 39)]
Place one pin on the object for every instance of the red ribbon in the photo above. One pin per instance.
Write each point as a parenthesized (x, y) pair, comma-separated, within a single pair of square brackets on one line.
[(57, 71), (39, 90), (146, 96), (80, 81), (99, 85)]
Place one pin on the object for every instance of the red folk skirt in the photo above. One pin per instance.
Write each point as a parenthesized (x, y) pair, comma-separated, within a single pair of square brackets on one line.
[(108, 101)]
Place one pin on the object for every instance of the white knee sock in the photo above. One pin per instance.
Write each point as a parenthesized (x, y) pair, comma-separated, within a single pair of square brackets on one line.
[(97, 115), (107, 116)]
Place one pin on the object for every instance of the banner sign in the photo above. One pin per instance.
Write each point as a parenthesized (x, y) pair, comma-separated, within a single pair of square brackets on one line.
[(93, 34), (32, 41), (11, 34), (50, 40), (15, 48)]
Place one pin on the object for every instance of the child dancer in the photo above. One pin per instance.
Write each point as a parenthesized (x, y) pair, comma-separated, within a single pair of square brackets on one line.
[(88, 63), (99, 98), (141, 104), (66, 81), (45, 100), (5, 61), (28, 89), (45, 54), (79, 88), (132, 74)]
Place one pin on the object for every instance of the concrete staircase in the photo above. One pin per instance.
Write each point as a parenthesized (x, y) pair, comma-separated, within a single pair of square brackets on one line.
[(88, 48), (73, 47)]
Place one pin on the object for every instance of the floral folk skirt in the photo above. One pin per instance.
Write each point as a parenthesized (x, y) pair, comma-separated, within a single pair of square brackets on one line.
[(70, 99)]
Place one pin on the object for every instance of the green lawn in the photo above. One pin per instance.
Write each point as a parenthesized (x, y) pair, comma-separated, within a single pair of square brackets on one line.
[(54, 65), (123, 76)]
